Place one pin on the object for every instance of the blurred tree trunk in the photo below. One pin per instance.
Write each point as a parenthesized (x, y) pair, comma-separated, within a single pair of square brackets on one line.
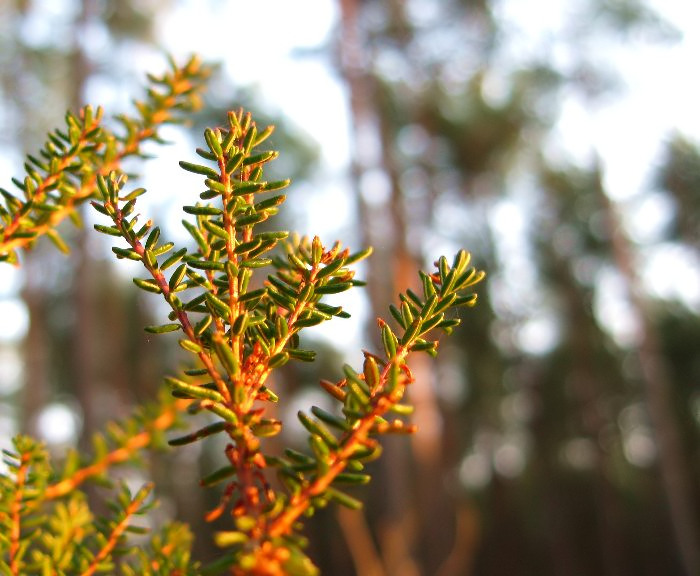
[(436, 515), (592, 380), (561, 554), (421, 528), (590, 387), (376, 230), (672, 457), (84, 338), (36, 389)]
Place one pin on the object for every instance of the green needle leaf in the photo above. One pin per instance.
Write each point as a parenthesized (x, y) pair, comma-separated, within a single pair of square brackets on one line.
[(199, 169)]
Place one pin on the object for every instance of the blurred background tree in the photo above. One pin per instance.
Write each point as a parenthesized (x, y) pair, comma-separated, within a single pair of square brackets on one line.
[(559, 431)]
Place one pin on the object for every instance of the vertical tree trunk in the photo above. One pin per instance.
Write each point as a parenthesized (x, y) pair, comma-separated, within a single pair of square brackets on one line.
[(588, 387), (376, 230), (424, 518), (83, 349), (36, 389), (673, 462), (35, 392)]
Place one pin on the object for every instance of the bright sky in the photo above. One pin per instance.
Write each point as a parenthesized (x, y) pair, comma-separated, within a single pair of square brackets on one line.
[(303, 88)]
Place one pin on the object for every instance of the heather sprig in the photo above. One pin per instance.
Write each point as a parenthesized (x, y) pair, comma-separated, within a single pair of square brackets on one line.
[(46, 525), (239, 295), (64, 173), (239, 304)]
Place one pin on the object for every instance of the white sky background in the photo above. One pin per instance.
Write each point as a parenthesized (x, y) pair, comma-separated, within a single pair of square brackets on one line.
[(302, 88)]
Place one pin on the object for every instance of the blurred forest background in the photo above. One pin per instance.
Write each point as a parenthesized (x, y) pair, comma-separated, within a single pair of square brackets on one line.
[(560, 425)]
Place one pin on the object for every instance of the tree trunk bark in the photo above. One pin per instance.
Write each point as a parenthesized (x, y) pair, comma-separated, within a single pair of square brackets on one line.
[(376, 230), (673, 462), (83, 350)]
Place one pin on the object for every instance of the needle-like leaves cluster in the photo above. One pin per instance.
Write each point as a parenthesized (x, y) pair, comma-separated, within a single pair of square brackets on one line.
[(64, 172), (239, 299), (47, 527), (239, 295)]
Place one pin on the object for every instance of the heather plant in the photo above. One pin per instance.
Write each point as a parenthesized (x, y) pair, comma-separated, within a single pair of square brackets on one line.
[(239, 296)]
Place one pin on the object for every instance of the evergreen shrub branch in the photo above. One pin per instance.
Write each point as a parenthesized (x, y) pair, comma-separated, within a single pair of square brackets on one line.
[(46, 526), (64, 173), (239, 296)]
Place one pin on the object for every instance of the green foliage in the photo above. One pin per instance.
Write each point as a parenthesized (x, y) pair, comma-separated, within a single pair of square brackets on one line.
[(239, 296), (64, 173), (47, 527)]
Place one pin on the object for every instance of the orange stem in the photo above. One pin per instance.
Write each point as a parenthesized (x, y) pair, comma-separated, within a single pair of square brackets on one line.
[(119, 529), (135, 443), (16, 514)]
